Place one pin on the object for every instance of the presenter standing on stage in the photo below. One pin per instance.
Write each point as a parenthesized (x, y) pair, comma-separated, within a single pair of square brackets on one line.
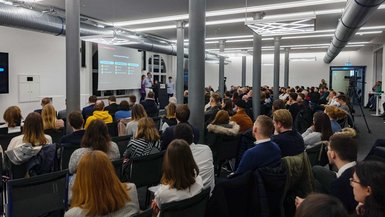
[(170, 87), (148, 82)]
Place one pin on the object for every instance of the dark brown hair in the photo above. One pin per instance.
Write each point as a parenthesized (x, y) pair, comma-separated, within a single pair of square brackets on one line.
[(179, 167), (266, 126), (12, 116), (124, 105), (182, 113), (321, 205), (222, 117), (96, 136), (76, 119), (345, 146), (322, 124)]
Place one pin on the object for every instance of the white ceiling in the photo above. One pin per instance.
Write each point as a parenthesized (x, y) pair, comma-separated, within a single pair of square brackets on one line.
[(114, 11)]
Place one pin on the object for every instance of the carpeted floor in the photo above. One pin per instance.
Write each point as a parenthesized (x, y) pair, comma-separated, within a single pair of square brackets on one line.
[(366, 139)]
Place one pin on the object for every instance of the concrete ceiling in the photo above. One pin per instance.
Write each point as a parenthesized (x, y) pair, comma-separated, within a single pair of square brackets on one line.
[(113, 11)]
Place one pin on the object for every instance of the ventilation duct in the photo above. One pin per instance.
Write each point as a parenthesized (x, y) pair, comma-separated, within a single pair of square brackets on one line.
[(19, 17), (355, 15)]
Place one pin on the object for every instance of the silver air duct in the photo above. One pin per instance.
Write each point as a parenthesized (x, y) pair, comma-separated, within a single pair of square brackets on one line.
[(19, 17), (355, 15)]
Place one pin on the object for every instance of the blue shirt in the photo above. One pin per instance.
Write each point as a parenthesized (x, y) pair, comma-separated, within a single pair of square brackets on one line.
[(265, 154), (336, 127), (122, 114)]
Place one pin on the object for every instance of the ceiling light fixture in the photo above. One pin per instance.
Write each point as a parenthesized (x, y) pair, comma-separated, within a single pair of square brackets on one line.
[(277, 6)]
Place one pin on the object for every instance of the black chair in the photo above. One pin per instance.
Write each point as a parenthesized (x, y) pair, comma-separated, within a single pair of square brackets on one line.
[(113, 129), (118, 165), (37, 196), (191, 207), (56, 134), (145, 213), (122, 142), (224, 148), (14, 171), (66, 151), (157, 121), (318, 154), (144, 171), (6, 138)]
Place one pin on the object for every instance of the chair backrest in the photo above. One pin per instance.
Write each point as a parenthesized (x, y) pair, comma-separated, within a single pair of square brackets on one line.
[(145, 213), (226, 147), (118, 165), (157, 121), (145, 170), (14, 171), (122, 142), (66, 151), (6, 138), (37, 195), (56, 134), (113, 129), (191, 207), (318, 154)]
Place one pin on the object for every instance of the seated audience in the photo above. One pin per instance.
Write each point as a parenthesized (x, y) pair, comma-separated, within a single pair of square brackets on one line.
[(76, 122), (332, 98), (145, 140), (213, 109), (99, 114), (181, 179), (97, 191), (342, 153), (13, 120), (227, 105), (49, 118), (96, 137), (241, 117), (368, 183), (342, 101), (222, 124), (137, 113), (22, 148), (335, 114), (265, 153), (182, 114), (202, 154), (321, 130), (44, 101), (112, 106), (150, 105), (124, 111), (88, 110), (169, 119), (320, 205), (289, 141)]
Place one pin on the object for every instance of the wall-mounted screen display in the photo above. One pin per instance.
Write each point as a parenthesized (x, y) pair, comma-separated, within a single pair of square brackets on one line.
[(4, 75)]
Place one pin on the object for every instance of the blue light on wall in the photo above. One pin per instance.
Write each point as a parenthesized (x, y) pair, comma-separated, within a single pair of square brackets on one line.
[(2, 69)]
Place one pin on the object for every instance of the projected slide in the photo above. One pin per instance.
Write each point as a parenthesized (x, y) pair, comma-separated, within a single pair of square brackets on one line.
[(119, 68)]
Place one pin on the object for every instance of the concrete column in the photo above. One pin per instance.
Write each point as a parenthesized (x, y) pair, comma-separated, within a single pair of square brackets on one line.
[(179, 83), (72, 13), (243, 83), (286, 79), (257, 72), (221, 69), (277, 40), (196, 66)]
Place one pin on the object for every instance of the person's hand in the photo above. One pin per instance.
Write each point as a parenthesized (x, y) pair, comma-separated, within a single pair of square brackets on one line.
[(154, 207), (298, 201)]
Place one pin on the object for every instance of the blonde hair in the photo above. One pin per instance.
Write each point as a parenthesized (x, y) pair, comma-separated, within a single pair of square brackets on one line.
[(147, 130), (335, 113), (284, 117), (48, 115), (348, 131), (170, 110)]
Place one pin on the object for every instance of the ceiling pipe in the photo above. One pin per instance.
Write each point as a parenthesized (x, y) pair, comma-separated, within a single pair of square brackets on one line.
[(19, 17), (355, 15)]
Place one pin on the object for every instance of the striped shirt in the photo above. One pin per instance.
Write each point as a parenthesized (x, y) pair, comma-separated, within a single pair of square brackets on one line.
[(140, 147)]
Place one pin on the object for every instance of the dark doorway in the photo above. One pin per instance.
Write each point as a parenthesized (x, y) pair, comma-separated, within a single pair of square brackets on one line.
[(350, 80)]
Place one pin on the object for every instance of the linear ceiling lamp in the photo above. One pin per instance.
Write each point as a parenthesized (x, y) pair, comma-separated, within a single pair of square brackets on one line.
[(281, 26), (277, 6)]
